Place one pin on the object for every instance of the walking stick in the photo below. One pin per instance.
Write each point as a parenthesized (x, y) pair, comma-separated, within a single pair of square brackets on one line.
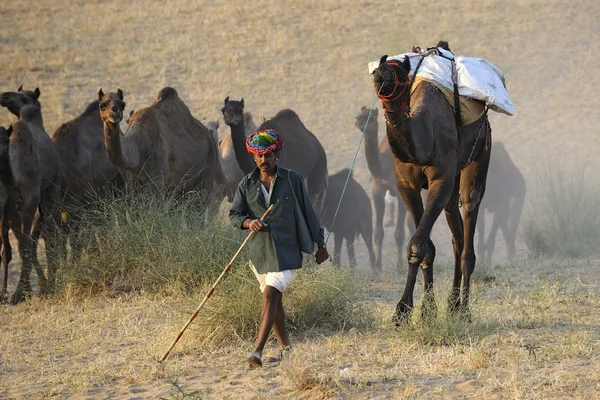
[(212, 289)]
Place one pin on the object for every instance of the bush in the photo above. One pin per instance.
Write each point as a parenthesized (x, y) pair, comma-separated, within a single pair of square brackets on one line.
[(176, 245), (150, 243), (564, 219)]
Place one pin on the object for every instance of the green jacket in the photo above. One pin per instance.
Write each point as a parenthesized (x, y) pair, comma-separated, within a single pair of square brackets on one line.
[(275, 248)]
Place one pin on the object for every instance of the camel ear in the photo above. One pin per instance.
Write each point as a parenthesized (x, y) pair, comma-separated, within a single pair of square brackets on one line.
[(406, 64), (242, 102), (120, 93), (217, 125), (375, 111), (100, 94), (363, 108), (383, 59), (20, 89), (9, 131), (37, 93), (226, 100)]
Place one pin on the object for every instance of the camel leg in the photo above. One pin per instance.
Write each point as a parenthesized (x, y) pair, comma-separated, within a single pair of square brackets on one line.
[(26, 249), (507, 234), (379, 204), (399, 233), (472, 189), (414, 205), (455, 223), (6, 253), (491, 241), (337, 248), (481, 235), (367, 235), (420, 248), (316, 183), (36, 233), (514, 217), (50, 225), (351, 256)]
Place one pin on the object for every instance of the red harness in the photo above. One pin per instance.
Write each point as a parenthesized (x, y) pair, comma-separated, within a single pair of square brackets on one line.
[(390, 97)]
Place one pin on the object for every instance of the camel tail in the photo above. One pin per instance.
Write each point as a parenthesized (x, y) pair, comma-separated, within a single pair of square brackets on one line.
[(366, 231)]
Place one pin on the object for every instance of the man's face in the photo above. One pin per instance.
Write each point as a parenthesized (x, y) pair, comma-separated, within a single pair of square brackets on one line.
[(266, 162)]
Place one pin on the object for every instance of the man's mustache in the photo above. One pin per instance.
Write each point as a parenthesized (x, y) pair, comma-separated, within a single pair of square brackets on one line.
[(264, 164)]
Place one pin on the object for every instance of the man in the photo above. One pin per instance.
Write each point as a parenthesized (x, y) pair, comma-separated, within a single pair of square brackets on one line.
[(274, 251)]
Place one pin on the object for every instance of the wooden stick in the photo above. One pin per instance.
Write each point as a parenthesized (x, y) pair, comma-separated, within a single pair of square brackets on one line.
[(212, 289)]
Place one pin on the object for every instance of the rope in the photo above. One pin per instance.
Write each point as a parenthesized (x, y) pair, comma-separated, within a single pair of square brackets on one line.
[(351, 167)]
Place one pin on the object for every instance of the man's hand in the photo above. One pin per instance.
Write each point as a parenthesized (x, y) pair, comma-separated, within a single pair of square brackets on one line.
[(254, 225), (321, 255)]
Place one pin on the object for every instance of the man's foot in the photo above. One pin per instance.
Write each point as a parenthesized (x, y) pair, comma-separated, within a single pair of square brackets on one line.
[(254, 360)]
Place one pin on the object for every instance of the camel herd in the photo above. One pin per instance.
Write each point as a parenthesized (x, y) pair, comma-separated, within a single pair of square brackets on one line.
[(45, 179)]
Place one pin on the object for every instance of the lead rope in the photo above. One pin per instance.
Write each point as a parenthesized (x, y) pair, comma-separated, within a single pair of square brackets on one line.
[(352, 167)]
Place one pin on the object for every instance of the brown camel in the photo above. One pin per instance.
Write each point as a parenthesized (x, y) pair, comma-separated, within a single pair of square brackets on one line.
[(164, 146), (504, 197), (430, 151), (34, 173), (305, 153), (86, 170), (379, 161), (353, 218)]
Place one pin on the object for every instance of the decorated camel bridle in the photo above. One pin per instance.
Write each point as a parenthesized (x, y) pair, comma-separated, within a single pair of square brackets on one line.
[(405, 105)]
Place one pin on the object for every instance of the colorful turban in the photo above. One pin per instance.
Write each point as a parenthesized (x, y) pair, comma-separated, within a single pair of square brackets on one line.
[(263, 142)]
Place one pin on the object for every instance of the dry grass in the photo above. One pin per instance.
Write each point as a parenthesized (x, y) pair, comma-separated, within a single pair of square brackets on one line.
[(535, 332)]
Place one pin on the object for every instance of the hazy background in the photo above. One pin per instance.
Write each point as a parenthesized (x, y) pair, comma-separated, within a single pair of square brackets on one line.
[(312, 57)]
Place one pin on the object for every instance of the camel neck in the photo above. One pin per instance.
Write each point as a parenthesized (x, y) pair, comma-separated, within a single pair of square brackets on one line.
[(238, 138), (409, 139), (372, 150), (117, 146)]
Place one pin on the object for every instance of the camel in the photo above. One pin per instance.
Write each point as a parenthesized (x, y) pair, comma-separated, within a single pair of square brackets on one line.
[(505, 196), (353, 218), (86, 170), (32, 180), (379, 162), (430, 151), (231, 168), (303, 152), (164, 148)]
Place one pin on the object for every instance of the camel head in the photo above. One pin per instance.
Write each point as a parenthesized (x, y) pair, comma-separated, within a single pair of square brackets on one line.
[(213, 127), (14, 101), (111, 106), (233, 112), (361, 118), (391, 78)]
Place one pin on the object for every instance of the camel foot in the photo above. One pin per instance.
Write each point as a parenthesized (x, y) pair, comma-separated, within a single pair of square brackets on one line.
[(429, 309), (403, 313), (21, 294)]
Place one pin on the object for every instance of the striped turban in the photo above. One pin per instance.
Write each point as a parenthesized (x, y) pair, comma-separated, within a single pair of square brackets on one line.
[(264, 141)]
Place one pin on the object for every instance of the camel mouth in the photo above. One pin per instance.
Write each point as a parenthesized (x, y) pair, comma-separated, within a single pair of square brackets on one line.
[(115, 118)]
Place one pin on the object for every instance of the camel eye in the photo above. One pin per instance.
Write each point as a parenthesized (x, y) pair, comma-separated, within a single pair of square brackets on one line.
[(104, 104)]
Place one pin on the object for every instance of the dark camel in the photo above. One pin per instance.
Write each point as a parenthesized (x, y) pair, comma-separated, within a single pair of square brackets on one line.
[(164, 148), (505, 196), (305, 153), (379, 161), (429, 153), (32, 178), (87, 172), (354, 217)]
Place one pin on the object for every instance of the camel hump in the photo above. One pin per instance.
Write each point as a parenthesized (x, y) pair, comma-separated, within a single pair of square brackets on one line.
[(287, 113), (30, 112), (167, 93)]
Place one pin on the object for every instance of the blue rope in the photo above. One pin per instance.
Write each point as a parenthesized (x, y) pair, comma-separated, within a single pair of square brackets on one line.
[(351, 168)]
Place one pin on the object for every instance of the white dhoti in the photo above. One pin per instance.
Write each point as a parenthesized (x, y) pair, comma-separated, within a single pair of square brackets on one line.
[(279, 280)]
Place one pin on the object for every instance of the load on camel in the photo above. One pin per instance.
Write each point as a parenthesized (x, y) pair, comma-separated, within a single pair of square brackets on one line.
[(434, 148)]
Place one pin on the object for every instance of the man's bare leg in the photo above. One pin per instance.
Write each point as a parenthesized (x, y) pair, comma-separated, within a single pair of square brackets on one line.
[(271, 302)]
